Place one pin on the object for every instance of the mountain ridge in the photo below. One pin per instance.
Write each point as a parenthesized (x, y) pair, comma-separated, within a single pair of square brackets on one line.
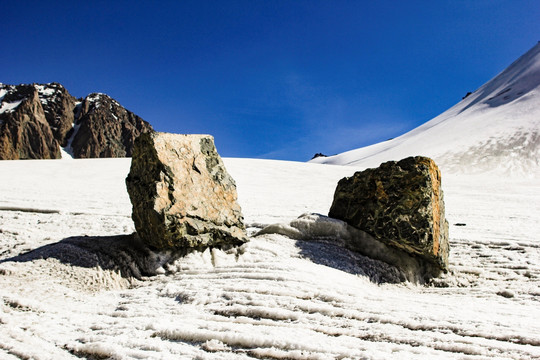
[(44, 121), (494, 129)]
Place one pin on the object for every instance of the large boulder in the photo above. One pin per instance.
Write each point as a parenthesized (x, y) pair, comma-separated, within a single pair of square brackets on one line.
[(400, 204), (181, 193)]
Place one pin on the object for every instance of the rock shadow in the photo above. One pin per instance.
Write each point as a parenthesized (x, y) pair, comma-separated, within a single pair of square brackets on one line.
[(124, 254), (336, 244), (334, 254)]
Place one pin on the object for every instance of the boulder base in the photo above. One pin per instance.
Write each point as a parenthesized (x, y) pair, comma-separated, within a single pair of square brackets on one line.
[(181, 193), (400, 204)]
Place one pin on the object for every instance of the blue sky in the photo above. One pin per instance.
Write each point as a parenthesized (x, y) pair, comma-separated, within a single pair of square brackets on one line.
[(270, 79)]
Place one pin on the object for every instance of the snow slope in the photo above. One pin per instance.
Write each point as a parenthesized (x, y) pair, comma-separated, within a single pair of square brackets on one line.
[(495, 129), (70, 284)]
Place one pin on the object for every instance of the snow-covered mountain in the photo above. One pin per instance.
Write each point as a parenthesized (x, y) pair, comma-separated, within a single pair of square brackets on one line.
[(494, 129)]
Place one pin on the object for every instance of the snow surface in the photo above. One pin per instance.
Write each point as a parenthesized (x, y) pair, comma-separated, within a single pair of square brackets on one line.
[(72, 286), (495, 129)]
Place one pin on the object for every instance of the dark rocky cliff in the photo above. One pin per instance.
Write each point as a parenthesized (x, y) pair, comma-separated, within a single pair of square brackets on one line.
[(24, 130), (36, 120), (105, 128)]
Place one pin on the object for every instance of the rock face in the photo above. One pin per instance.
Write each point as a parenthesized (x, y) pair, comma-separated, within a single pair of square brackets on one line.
[(59, 106), (35, 120), (105, 128), (400, 204), (181, 193), (24, 130)]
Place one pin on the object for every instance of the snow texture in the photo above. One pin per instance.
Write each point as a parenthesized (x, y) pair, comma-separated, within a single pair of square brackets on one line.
[(75, 283)]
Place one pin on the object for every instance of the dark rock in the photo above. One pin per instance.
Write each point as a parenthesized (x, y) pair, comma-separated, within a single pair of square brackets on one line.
[(24, 130), (181, 193), (59, 107), (95, 127), (318, 155), (400, 204), (106, 129)]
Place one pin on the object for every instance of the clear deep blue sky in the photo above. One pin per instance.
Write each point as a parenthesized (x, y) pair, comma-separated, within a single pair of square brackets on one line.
[(271, 79)]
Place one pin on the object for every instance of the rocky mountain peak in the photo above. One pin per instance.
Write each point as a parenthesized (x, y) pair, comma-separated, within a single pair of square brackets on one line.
[(24, 130), (105, 128), (58, 105), (96, 126)]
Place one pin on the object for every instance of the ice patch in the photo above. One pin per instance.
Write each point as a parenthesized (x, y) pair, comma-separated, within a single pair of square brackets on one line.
[(43, 90), (10, 106), (3, 92)]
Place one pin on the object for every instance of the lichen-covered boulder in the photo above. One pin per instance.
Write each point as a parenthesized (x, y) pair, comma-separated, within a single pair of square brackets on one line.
[(400, 204), (181, 193)]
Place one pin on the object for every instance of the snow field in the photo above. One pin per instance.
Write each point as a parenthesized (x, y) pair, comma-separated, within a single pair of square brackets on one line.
[(275, 297), (495, 129)]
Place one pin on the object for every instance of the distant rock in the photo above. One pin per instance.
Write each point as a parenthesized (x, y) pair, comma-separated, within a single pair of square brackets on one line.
[(181, 193), (59, 107), (96, 126), (24, 130), (318, 155), (105, 128), (400, 204)]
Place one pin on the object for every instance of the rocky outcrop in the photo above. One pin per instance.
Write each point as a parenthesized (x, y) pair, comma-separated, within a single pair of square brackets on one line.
[(59, 107), (317, 155), (400, 204), (181, 193), (24, 130), (106, 129), (97, 126)]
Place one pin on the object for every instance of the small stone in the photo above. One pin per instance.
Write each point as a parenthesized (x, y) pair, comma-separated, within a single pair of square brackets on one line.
[(400, 204), (506, 293), (181, 193)]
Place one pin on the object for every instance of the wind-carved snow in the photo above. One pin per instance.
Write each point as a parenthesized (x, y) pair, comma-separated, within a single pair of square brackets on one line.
[(69, 282), (483, 132)]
